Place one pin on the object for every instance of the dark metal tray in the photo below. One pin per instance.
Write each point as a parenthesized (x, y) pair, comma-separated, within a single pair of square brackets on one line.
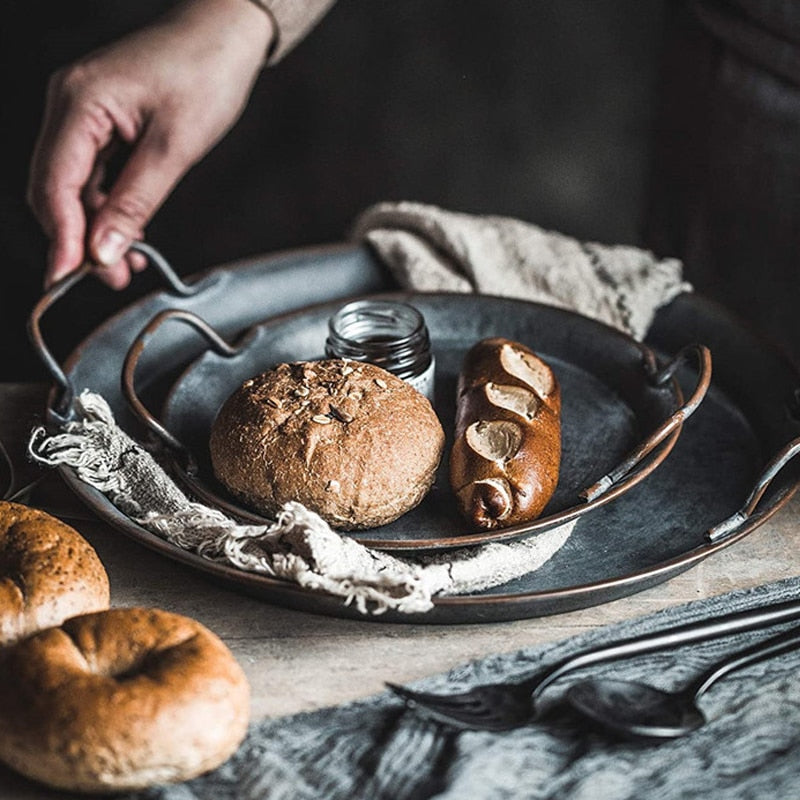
[(725, 473)]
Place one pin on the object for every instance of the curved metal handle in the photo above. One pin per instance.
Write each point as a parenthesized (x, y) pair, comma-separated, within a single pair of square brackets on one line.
[(743, 515), (62, 406), (134, 354), (775, 645), (188, 470), (658, 377)]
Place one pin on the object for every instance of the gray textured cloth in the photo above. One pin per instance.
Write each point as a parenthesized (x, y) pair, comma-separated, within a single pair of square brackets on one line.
[(377, 749)]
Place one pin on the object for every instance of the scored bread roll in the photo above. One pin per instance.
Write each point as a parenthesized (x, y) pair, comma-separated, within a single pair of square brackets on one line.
[(507, 449), (347, 439), (48, 573), (120, 699)]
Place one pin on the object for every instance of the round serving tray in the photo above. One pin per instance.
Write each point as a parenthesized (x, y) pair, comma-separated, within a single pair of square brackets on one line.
[(616, 401), (726, 474)]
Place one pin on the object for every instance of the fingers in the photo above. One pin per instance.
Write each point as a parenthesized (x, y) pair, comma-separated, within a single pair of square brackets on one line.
[(63, 161), (94, 198), (155, 165), (170, 92), (65, 185)]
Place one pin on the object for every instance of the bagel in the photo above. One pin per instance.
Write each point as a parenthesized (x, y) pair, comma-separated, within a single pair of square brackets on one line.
[(120, 699), (48, 573)]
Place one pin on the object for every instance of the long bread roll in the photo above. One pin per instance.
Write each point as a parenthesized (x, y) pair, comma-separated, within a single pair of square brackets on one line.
[(507, 450)]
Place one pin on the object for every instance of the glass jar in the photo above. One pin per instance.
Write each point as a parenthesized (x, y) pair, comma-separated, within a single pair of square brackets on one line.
[(386, 333)]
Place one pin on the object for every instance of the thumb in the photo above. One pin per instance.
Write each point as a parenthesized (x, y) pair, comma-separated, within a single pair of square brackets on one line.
[(151, 172)]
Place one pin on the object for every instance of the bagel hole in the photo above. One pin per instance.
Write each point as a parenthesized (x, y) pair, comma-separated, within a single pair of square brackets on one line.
[(15, 577), (12, 561), (66, 630), (135, 669), (150, 661)]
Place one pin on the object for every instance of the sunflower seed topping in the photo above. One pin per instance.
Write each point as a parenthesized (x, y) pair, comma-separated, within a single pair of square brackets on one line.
[(342, 416)]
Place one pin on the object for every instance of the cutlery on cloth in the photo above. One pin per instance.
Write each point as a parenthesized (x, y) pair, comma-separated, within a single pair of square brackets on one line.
[(635, 709), (502, 706)]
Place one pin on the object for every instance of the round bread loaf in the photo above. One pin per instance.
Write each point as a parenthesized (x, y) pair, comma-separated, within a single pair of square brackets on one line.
[(347, 439), (48, 573), (120, 699)]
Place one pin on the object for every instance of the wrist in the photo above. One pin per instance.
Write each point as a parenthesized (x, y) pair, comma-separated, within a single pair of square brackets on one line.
[(245, 20), (292, 20), (274, 37)]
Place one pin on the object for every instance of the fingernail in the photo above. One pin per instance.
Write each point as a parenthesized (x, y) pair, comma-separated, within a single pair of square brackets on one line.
[(111, 247)]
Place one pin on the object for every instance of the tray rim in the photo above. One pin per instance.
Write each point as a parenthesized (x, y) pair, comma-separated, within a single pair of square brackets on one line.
[(446, 609)]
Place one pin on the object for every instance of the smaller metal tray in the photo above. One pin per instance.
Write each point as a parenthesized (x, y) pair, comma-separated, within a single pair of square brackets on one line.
[(621, 412)]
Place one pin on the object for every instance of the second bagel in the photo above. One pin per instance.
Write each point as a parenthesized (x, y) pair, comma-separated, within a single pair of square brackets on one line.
[(120, 699)]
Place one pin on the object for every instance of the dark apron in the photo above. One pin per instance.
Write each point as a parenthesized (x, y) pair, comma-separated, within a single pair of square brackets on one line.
[(724, 190)]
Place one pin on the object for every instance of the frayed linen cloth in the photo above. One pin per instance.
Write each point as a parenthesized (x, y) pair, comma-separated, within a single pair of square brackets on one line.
[(376, 749), (427, 248), (300, 546), (431, 249)]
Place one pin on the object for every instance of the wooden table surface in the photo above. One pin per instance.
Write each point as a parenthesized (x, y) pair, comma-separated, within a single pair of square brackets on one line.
[(297, 661)]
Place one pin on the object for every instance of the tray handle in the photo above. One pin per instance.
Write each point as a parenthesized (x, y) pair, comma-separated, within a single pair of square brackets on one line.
[(216, 342), (658, 376), (728, 526), (56, 292), (187, 470)]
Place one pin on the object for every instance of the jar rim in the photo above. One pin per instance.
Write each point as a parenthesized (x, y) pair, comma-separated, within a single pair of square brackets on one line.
[(364, 312)]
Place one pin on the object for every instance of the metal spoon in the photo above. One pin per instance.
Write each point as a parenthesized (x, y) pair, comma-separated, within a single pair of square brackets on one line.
[(636, 709)]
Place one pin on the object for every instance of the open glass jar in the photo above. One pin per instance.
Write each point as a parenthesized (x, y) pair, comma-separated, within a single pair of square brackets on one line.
[(389, 334)]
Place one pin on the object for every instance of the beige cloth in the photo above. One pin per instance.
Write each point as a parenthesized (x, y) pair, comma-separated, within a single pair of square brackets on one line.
[(432, 249)]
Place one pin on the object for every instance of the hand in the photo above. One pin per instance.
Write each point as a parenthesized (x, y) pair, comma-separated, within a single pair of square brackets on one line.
[(169, 92)]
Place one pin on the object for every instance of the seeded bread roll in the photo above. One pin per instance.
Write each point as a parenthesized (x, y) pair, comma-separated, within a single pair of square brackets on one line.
[(507, 450), (48, 572), (347, 439), (120, 699)]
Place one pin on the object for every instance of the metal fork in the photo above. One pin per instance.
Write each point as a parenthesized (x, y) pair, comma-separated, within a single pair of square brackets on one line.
[(502, 706)]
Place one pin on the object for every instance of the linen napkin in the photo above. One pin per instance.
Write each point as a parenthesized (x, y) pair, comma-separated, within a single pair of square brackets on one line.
[(426, 248), (375, 749), (432, 249)]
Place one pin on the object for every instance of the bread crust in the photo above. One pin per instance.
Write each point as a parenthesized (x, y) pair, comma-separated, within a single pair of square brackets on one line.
[(347, 439), (506, 454), (48, 573), (120, 699)]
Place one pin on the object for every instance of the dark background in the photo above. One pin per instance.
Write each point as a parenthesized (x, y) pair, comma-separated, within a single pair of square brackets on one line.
[(532, 109), (539, 110)]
